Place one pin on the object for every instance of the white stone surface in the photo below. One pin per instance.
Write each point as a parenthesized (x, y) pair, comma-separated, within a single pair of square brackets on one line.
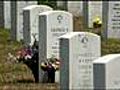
[(52, 24), (114, 20), (75, 7), (33, 11), (57, 76), (95, 10), (58, 23), (77, 51), (60, 3), (7, 15), (106, 72), (20, 6)]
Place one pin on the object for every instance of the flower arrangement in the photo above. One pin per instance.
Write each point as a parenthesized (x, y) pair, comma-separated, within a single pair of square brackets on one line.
[(24, 54), (28, 51), (50, 66), (29, 55), (50, 62)]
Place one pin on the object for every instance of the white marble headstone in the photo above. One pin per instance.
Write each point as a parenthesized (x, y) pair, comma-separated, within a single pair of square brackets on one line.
[(52, 24), (7, 15), (106, 72), (75, 7), (60, 3), (95, 10), (30, 21), (17, 23), (113, 26), (77, 51)]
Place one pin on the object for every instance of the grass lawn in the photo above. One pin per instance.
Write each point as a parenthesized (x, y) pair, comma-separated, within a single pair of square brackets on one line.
[(16, 76)]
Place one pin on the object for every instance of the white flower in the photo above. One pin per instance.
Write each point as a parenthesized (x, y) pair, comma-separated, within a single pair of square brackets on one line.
[(28, 57), (57, 62)]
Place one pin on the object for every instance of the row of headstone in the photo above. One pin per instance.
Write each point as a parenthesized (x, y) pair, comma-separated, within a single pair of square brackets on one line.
[(104, 10), (49, 25), (76, 50), (82, 68), (108, 12), (17, 18), (81, 49), (73, 7), (53, 24), (89, 11), (76, 46)]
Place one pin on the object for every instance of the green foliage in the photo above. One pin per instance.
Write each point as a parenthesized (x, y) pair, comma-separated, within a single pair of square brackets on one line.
[(60, 8), (110, 46), (51, 3)]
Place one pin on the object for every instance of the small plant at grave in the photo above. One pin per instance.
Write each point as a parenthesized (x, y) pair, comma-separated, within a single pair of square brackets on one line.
[(50, 66), (51, 61), (29, 56)]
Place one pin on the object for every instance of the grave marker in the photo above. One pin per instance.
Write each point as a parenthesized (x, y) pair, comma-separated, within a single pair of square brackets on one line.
[(75, 7), (7, 15), (77, 51), (111, 19), (95, 10), (17, 18), (30, 21), (52, 24), (106, 72)]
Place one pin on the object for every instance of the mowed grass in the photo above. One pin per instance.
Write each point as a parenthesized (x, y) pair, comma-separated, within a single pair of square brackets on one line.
[(16, 76)]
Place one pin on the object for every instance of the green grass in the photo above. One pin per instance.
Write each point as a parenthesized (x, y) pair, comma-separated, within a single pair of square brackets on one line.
[(16, 76), (9, 71), (110, 46)]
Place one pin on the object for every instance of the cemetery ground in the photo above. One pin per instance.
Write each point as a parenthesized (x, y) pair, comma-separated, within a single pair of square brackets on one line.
[(13, 75), (17, 76)]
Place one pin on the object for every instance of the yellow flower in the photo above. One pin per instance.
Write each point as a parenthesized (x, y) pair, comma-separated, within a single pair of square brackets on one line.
[(96, 19)]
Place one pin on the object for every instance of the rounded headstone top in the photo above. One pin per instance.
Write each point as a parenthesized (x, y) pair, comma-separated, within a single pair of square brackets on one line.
[(55, 11), (106, 58), (36, 6), (72, 34)]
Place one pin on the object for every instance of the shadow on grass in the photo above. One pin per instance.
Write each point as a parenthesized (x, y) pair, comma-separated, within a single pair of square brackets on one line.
[(25, 81)]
